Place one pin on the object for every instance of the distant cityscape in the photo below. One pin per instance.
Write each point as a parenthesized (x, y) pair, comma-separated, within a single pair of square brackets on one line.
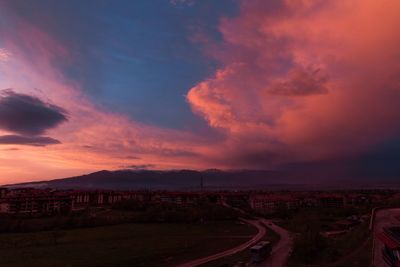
[(49, 201)]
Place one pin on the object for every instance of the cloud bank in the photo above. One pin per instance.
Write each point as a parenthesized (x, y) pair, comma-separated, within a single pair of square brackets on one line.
[(303, 81)]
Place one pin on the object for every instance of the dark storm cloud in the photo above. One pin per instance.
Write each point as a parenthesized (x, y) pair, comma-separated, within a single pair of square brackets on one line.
[(28, 115), (27, 140)]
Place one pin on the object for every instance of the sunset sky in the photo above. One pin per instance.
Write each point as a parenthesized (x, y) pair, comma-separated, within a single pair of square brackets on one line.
[(87, 85)]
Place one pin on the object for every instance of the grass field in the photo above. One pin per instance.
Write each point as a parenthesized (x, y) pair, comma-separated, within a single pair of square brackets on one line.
[(121, 245), (360, 257), (352, 249)]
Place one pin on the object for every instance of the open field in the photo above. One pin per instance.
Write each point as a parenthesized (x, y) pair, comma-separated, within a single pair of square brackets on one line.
[(311, 249), (121, 245), (360, 257), (243, 256)]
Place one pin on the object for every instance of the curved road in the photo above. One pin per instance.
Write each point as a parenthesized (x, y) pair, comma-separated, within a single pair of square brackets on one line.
[(281, 251), (260, 234)]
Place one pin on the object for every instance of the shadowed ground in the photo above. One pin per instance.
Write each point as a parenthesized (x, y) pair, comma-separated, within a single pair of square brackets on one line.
[(121, 245)]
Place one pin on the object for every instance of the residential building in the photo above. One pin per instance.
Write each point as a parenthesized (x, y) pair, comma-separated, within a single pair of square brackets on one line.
[(391, 240)]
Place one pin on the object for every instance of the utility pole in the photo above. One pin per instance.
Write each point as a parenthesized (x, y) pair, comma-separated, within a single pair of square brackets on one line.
[(201, 182)]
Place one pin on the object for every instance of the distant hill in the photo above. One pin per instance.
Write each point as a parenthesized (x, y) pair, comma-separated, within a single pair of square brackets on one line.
[(167, 180), (294, 177)]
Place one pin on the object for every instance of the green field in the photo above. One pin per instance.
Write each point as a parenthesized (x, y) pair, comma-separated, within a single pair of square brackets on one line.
[(121, 245)]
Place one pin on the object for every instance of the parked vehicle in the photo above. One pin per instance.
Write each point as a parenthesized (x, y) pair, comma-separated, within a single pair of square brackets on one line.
[(260, 251)]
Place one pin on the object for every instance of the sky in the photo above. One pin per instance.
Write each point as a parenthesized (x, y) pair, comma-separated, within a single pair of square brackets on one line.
[(198, 84)]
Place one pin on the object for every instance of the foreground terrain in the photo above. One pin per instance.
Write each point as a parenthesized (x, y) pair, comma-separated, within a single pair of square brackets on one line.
[(122, 245)]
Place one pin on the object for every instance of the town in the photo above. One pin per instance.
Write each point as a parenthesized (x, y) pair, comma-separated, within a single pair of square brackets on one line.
[(48, 201), (285, 220)]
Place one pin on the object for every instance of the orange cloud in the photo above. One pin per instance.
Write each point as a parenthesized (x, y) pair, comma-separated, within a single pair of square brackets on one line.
[(304, 80)]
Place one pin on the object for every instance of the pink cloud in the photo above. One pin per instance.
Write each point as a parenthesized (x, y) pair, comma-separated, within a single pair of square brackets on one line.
[(303, 80), (4, 55)]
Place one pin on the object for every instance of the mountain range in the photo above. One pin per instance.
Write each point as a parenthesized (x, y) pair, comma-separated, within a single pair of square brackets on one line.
[(166, 180), (192, 180)]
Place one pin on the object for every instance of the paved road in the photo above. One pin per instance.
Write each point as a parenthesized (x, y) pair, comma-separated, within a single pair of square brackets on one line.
[(260, 234), (383, 218), (281, 251)]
